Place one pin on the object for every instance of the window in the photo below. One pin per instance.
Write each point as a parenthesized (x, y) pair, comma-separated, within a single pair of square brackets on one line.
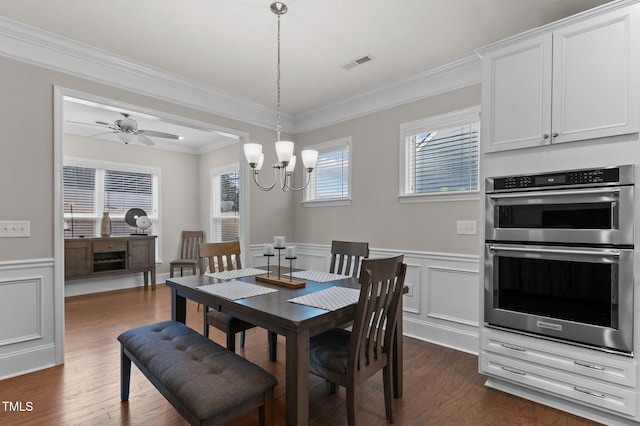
[(440, 155), (225, 212), (92, 187), (331, 179)]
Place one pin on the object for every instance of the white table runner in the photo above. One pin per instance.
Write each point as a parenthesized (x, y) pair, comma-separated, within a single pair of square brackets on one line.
[(329, 299), (234, 290), (236, 273), (318, 276)]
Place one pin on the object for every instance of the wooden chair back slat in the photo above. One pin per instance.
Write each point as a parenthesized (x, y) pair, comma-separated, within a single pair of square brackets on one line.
[(382, 282), (219, 257), (346, 257), (191, 240)]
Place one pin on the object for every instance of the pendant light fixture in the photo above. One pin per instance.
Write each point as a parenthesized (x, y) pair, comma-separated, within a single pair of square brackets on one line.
[(284, 149)]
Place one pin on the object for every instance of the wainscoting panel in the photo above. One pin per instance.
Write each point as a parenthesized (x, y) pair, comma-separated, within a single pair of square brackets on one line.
[(27, 323), (442, 304), (449, 295)]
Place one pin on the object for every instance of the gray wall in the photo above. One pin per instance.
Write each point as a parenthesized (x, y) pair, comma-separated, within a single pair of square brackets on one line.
[(376, 214)]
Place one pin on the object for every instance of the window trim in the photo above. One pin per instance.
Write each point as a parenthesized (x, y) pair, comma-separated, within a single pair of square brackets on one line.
[(331, 202), (449, 119), (215, 202)]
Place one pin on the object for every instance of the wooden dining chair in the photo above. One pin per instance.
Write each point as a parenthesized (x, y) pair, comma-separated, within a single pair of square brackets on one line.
[(346, 257), (189, 244), (349, 358), (225, 256)]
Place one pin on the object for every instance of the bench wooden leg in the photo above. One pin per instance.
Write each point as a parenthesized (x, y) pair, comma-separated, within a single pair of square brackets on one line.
[(125, 375)]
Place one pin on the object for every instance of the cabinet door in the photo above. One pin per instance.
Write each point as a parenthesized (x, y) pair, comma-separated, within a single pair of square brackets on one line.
[(516, 95), (142, 253), (78, 258), (595, 77)]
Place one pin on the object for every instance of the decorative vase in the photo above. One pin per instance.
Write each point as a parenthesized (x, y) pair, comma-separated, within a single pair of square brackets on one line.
[(105, 228)]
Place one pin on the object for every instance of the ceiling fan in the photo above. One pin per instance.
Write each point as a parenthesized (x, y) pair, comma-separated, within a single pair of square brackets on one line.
[(127, 131)]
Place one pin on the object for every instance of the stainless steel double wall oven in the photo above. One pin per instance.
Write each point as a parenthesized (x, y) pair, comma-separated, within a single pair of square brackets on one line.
[(559, 256)]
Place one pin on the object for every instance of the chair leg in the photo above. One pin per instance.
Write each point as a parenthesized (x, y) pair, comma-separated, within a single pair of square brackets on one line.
[(387, 378), (351, 404), (273, 345), (231, 341), (205, 323), (242, 336), (125, 375)]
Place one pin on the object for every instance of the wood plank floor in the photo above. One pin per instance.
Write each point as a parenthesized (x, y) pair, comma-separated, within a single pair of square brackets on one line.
[(442, 386)]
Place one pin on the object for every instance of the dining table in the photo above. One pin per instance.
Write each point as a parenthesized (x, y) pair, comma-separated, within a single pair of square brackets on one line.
[(270, 306)]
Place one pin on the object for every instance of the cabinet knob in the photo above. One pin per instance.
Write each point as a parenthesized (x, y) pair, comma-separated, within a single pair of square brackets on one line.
[(545, 136), (555, 135)]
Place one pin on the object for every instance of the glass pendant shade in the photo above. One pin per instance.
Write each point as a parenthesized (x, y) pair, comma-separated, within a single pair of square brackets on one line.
[(309, 158), (253, 151), (127, 138), (284, 149), (260, 162), (292, 164)]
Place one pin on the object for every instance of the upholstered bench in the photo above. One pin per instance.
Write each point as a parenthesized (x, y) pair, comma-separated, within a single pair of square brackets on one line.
[(205, 383)]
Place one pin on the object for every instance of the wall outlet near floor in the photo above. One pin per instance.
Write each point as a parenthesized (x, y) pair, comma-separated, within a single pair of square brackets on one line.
[(15, 228), (466, 227)]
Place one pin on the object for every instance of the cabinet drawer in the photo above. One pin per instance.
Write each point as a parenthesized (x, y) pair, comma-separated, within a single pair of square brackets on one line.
[(108, 246), (569, 386), (584, 362)]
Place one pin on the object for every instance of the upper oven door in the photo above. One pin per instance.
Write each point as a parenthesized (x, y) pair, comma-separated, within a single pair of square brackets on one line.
[(581, 216)]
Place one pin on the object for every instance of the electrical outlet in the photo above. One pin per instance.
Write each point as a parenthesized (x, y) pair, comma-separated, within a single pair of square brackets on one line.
[(466, 227), (15, 228)]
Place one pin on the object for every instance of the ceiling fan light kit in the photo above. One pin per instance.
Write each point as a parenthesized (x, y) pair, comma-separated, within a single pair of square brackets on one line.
[(284, 149)]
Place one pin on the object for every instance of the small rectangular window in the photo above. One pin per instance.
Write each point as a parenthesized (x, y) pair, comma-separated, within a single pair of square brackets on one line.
[(331, 179), (440, 154), (225, 217)]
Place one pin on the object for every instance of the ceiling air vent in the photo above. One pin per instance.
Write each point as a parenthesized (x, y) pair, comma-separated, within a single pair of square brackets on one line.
[(359, 61)]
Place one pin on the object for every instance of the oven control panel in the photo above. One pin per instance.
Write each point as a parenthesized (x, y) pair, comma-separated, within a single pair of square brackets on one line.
[(611, 175)]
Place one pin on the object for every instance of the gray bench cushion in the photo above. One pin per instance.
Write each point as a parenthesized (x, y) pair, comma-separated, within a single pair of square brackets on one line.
[(204, 376)]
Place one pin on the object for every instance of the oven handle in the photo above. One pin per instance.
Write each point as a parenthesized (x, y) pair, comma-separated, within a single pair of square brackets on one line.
[(595, 191), (604, 252)]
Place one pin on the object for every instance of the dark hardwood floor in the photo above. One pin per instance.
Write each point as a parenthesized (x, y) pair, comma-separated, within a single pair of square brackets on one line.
[(442, 386)]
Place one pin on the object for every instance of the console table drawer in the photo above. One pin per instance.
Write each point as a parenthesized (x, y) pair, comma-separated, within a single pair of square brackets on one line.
[(570, 386), (109, 246)]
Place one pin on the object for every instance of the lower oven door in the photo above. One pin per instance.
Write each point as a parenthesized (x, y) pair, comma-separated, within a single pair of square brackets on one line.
[(576, 294)]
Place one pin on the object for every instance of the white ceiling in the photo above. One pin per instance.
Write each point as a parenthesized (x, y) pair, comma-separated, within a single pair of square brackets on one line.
[(231, 45)]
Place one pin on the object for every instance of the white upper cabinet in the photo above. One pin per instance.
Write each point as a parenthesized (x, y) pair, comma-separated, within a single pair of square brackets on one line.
[(578, 82)]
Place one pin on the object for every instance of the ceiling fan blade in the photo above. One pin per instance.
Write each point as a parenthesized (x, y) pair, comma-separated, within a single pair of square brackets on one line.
[(97, 123), (102, 133), (145, 140), (158, 134)]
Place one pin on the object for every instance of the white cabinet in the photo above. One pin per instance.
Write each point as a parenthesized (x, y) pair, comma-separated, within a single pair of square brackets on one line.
[(578, 82), (584, 376)]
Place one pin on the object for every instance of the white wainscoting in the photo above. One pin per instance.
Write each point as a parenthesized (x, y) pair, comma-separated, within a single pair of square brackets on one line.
[(27, 316), (442, 304)]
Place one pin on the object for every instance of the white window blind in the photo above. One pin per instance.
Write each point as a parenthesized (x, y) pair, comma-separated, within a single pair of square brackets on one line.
[(331, 179), (91, 190), (226, 205), (441, 155)]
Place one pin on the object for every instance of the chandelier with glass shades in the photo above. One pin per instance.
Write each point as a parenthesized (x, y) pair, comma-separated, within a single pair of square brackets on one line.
[(284, 149)]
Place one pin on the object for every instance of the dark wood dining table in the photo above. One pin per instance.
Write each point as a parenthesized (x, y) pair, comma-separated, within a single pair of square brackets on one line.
[(296, 322)]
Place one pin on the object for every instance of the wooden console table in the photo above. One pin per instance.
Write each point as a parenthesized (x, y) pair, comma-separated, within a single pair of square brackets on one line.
[(97, 257)]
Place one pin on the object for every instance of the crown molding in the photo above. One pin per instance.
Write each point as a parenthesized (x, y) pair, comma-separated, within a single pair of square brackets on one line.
[(32, 45), (461, 72), (35, 46)]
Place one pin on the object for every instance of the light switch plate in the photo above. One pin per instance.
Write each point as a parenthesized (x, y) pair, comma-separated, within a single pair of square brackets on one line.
[(15, 228), (466, 227)]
